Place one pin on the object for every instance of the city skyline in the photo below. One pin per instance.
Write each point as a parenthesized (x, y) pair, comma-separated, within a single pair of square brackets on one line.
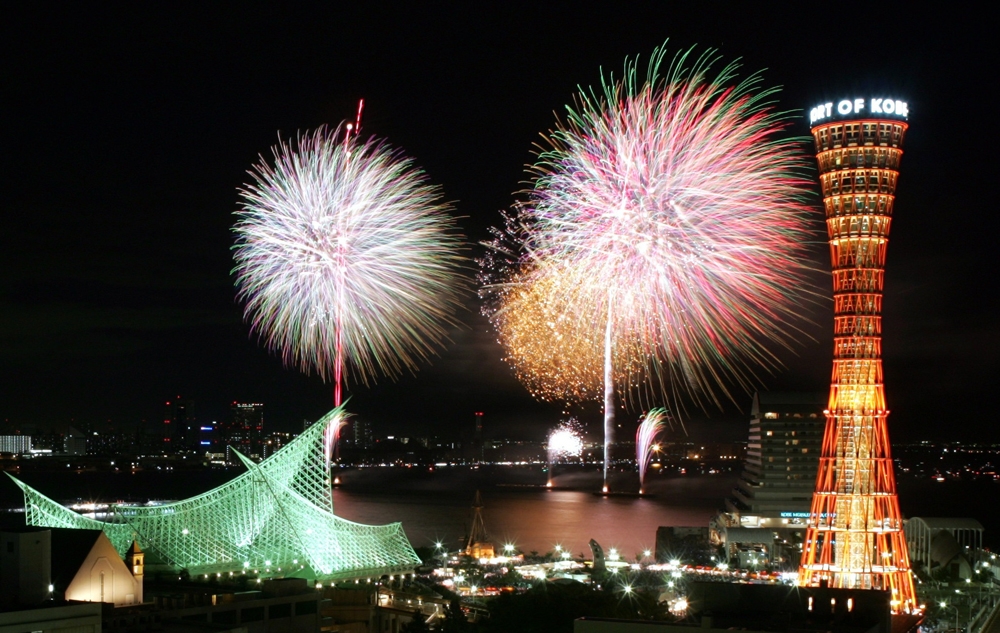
[(133, 132)]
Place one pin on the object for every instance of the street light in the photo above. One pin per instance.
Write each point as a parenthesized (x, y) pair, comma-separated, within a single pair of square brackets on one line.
[(945, 605)]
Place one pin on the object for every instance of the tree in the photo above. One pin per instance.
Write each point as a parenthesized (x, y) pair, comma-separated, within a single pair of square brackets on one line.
[(454, 619), (426, 554)]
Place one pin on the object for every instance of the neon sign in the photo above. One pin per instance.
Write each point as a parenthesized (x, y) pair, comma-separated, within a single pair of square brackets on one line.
[(859, 107)]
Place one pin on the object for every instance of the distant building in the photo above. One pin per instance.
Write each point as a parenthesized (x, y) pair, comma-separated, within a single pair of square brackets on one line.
[(245, 431), (16, 444), (74, 445), (774, 491), (52, 438), (364, 437), (275, 442), (180, 431), (115, 443), (208, 438)]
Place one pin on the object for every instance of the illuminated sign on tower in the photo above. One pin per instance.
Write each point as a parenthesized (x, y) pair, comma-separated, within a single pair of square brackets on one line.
[(854, 537)]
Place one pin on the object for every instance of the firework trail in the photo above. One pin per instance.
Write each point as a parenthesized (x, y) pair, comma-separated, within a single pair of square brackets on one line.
[(345, 258), (663, 235), (331, 436), (564, 441), (645, 441)]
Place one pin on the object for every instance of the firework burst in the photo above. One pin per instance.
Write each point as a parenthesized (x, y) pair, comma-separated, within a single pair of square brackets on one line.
[(345, 258), (664, 232), (564, 441), (645, 441), (550, 355)]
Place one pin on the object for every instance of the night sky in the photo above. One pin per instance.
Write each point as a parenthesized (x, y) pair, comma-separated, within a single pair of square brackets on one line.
[(128, 129)]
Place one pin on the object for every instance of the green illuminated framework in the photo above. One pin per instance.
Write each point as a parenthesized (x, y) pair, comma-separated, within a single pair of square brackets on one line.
[(276, 519)]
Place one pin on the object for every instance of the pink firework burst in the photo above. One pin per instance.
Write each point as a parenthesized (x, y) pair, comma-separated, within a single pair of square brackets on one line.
[(674, 215)]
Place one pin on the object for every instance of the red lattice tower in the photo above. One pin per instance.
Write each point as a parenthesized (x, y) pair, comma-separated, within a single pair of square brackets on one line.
[(855, 535)]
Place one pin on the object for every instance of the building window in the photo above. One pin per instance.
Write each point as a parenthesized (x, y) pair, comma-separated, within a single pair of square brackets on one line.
[(897, 133), (836, 135), (883, 133), (869, 133), (853, 130)]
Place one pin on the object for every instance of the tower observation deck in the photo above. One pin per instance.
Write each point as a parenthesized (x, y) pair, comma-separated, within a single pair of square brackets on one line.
[(854, 537)]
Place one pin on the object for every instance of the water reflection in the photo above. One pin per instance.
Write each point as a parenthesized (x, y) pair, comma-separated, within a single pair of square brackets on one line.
[(536, 518)]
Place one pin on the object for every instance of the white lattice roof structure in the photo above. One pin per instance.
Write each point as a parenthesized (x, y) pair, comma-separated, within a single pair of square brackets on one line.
[(276, 519)]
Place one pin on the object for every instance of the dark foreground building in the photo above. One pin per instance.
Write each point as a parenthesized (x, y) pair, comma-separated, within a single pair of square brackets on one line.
[(715, 607)]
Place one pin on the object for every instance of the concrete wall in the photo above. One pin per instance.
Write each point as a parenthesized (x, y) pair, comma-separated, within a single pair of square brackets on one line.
[(79, 618), (25, 569)]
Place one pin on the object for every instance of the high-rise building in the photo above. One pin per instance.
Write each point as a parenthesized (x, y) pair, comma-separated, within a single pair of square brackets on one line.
[(208, 438), (779, 475), (245, 431), (180, 431), (855, 535), (765, 515), (364, 437)]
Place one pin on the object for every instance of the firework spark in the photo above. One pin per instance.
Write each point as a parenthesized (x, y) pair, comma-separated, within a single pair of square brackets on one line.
[(645, 441), (664, 230), (346, 258), (550, 355), (564, 441)]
